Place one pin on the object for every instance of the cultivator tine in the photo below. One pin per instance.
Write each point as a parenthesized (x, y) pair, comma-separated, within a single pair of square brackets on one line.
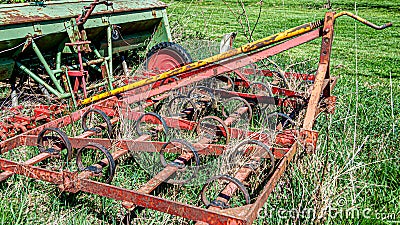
[(96, 169), (167, 172), (221, 201)]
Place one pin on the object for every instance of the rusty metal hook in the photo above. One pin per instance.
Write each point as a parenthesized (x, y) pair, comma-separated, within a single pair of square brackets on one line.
[(364, 21)]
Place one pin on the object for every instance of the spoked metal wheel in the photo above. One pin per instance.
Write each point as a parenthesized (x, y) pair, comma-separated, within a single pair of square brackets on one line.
[(166, 56)]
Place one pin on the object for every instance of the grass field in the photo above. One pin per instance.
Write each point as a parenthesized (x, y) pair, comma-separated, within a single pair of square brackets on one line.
[(358, 152)]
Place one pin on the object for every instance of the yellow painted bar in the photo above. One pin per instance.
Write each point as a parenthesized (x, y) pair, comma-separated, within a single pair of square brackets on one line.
[(234, 52)]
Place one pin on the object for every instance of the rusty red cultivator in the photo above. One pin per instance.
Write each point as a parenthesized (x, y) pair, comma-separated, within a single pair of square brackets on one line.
[(197, 109)]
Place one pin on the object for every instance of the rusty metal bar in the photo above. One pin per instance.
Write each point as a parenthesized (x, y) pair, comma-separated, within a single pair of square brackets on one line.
[(159, 204), (31, 171), (116, 155), (322, 73), (310, 114), (7, 174), (289, 140), (69, 181), (362, 20), (269, 187)]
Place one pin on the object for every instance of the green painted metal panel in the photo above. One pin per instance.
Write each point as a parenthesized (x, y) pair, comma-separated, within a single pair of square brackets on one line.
[(34, 12), (49, 25), (162, 32), (19, 20)]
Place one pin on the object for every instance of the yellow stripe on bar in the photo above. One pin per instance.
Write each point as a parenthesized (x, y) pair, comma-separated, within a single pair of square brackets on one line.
[(234, 52)]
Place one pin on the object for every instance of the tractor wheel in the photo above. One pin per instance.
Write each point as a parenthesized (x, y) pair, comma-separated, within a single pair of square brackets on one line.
[(166, 56)]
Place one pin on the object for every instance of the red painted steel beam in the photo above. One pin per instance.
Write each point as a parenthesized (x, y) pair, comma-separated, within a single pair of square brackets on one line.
[(159, 204), (31, 171), (242, 174), (269, 187), (230, 189), (115, 155), (159, 178), (270, 73), (7, 174), (322, 72), (287, 138), (168, 171), (148, 201), (14, 142), (69, 181), (190, 125), (31, 140)]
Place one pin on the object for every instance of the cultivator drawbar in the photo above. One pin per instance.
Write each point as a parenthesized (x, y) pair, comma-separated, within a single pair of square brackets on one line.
[(218, 111)]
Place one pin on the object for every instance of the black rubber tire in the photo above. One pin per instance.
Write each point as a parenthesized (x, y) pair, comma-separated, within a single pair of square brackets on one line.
[(171, 46)]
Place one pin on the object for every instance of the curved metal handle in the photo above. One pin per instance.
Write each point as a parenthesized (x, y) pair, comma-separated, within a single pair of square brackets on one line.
[(364, 21)]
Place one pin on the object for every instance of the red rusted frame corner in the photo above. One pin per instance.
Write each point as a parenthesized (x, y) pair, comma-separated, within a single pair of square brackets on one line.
[(70, 182), (322, 73)]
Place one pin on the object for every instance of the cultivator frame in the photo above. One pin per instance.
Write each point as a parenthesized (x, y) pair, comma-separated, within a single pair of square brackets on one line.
[(217, 213)]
